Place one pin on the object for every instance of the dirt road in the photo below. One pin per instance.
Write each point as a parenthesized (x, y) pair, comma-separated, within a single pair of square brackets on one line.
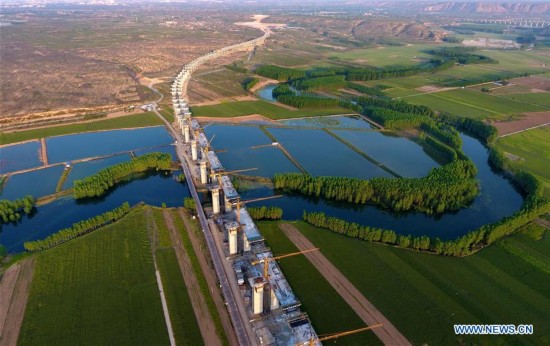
[(14, 292), (210, 276), (388, 334), (206, 324)]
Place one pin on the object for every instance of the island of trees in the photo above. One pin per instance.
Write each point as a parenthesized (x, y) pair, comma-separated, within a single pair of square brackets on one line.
[(265, 213), (445, 188), (97, 184), (10, 211)]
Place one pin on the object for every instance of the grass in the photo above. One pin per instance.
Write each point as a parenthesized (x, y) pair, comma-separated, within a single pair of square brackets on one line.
[(198, 273), (130, 121), (184, 324), (472, 104), (533, 148), (267, 109), (223, 82), (539, 99), (328, 311), (384, 56), (425, 295), (167, 113), (97, 289)]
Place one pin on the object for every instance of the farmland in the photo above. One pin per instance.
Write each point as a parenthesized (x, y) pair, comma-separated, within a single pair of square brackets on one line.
[(130, 121), (98, 289), (531, 151), (267, 109), (316, 294), (497, 285)]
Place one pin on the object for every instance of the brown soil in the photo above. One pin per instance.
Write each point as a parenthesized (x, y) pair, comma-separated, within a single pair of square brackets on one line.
[(210, 276), (432, 88), (388, 334), (43, 151), (534, 82), (528, 121), (236, 120), (14, 292), (206, 324)]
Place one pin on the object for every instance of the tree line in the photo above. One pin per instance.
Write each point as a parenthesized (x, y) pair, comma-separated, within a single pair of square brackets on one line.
[(265, 213), (279, 73), (97, 184), (249, 83), (477, 128), (282, 89), (374, 92), (461, 55), (10, 211), (448, 187), (320, 83), (461, 246), (77, 229)]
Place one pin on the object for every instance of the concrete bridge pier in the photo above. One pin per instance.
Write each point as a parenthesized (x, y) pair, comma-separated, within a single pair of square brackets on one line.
[(204, 176), (186, 132), (194, 154), (215, 199)]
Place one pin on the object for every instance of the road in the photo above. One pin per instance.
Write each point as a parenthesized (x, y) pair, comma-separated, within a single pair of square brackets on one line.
[(241, 325), (388, 334)]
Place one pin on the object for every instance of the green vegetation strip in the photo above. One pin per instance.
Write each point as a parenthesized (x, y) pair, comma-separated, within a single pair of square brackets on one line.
[(10, 211), (267, 109), (184, 324), (62, 179), (198, 273), (440, 291), (130, 121), (448, 187), (99, 183), (77, 229), (354, 148), (328, 311), (265, 213), (99, 289)]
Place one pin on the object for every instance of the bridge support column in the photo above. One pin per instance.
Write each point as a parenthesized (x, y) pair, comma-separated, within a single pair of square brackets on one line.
[(232, 237), (204, 176), (186, 133), (215, 199), (194, 154)]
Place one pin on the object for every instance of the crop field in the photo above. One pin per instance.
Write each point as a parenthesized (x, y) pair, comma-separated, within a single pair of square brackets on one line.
[(98, 289), (216, 84), (539, 99), (384, 56), (130, 121), (267, 109), (505, 283), (531, 150), (182, 316), (472, 104), (318, 297)]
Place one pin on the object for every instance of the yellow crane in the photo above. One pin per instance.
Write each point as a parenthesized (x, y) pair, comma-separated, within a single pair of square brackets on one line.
[(219, 174), (239, 203), (337, 335), (266, 260)]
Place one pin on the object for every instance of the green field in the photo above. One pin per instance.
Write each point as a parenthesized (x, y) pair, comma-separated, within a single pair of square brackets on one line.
[(384, 56), (424, 295), (224, 82), (532, 149), (267, 109), (539, 99), (97, 289), (472, 104), (130, 121), (318, 297)]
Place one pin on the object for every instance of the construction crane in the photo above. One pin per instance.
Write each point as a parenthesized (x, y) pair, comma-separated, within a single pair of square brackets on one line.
[(266, 260), (219, 174), (337, 335), (209, 144), (239, 203)]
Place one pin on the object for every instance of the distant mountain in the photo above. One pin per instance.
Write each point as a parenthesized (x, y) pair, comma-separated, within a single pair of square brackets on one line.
[(539, 8)]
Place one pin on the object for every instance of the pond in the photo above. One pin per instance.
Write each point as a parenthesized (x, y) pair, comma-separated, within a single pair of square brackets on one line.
[(37, 183), (399, 154), (92, 144), (153, 189), (20, 156), (321, 154), (330, 122), (244, 147)]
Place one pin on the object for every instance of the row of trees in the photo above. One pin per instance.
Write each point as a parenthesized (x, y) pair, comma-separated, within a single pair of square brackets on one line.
[(477, 128), (279, 73), (320, 83), (443, 132), (249, 83), (97, 184), (282, 89), (461, 246), (308, 101), (441, 148), (374, 92), (461, 55), (392, 119), (399, 106), (445, 188), (77, 229), (10, 211), (265, 213)]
